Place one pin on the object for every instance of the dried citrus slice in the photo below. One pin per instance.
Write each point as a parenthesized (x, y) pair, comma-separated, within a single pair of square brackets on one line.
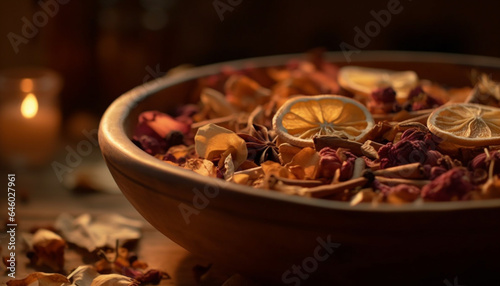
[(466, 124), (303, 117), (361, 80)]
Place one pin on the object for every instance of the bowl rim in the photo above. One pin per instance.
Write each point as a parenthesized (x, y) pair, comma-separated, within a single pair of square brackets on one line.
[(112, 133)]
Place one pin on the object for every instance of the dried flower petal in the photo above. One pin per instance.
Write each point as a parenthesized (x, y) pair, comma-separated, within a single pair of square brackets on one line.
[(212, 140), (275, 169), (454, 184), (93, 232), (215, 104), (48, 249), (113, 280), (245, 93), (41, 278), (287, 151), (228, 168), (332, 160), (201, 166), (329, 162), (153, 129), (305, 164), (401, 193), (83, 275)]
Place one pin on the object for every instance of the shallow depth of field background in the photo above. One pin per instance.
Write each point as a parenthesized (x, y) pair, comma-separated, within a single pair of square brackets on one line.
[(105, 47)]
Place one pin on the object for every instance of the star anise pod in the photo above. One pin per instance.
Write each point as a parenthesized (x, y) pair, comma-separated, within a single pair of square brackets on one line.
[(260, 143)]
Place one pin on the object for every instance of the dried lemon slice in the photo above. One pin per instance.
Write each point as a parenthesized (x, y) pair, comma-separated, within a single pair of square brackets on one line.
[(466, 124), (304, 117), (361, 80)]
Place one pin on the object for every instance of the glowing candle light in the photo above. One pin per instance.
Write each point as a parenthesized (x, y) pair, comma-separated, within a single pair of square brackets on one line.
[(29, 115), (29, 107)]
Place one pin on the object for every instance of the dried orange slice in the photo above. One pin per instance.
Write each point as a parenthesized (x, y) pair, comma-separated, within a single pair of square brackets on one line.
[(304, 117), (361, 80), (466, 124)]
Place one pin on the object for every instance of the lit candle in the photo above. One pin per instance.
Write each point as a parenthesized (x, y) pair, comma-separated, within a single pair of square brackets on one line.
[(29, 115)]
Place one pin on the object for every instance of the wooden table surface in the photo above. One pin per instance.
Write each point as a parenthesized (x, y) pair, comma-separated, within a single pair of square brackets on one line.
[(45, 198)]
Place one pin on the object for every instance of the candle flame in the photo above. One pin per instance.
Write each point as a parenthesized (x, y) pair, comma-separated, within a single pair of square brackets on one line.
[(29, 107)]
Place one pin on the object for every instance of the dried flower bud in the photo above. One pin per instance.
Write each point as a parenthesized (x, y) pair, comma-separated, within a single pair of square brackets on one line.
[(418, 99), (454, 184), (385, 95), (414, 146), (483, 160)]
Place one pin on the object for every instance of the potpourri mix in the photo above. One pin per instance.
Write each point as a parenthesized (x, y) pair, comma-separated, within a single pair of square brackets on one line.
[(267, 128)]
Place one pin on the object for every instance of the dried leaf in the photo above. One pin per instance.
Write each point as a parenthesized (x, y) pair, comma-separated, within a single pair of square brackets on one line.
[(305, 164), (92, 232), (212, 140), (42, 279)]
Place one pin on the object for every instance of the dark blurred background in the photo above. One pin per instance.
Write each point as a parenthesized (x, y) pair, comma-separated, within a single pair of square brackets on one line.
[(103, 48)]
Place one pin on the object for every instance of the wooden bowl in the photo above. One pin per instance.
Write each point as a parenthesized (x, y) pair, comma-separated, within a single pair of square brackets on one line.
[(283, 239)]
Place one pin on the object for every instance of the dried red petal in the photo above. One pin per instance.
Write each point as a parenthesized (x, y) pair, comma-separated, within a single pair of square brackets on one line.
[(331, 160), (453, 184), (156, 131)]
